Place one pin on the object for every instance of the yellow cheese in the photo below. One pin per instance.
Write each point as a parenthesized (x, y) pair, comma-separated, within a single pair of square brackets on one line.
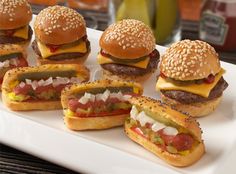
[(199, 89), (22, 32), (45, 51), (142, 64)]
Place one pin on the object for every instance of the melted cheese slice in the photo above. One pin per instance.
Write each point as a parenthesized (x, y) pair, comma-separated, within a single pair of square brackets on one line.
[(199, 89), (142, 64), (45, 51), (22, 32)]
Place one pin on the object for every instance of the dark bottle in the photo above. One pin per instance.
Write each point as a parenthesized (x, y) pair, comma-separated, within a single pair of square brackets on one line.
[(218, 24)]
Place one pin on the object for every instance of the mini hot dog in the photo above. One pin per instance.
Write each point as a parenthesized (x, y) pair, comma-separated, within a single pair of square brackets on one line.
[(169, 134), (39, 88), (98, 105), (11, 56)]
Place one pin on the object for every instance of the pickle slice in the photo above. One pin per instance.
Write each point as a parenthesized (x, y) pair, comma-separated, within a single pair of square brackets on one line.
[(10, 56), (45, 75)]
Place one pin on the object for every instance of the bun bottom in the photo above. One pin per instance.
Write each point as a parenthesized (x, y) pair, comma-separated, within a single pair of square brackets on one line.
[(92, 123), (140, 79), (194, 109), (173, 159), (79, 60), (27, 106)]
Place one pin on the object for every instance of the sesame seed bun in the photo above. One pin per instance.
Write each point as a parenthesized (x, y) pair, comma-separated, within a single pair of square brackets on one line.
[(198, 109), (14, 14), (190, 60), (128, 39), (58, 25)]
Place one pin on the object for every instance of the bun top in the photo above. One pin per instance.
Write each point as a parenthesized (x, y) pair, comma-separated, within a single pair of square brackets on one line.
[(128, 39), (165, 113), (14, 14), (59, 25), (190, 60)]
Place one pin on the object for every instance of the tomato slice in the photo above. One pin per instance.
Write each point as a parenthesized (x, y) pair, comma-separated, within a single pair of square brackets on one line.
[(103, 114)]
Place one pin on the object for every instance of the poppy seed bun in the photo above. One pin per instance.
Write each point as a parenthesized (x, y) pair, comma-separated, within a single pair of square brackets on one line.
[(190, 60), (58, 25), (128, 39), (14, 14)]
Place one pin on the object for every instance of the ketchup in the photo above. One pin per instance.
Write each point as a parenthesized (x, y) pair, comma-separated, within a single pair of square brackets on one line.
[(218, 24), (53, 48), (210, 79)]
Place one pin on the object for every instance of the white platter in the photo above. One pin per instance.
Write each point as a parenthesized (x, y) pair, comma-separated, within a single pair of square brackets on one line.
[(42, 133)]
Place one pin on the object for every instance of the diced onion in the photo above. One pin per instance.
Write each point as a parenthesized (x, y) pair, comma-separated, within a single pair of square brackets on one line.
[(126, 97), (28, 81), (6, 63), (91, 97), (133, 112), (157, 126), (170, 131), (14, 62), (22, 84), (105, 95), (48, 81), (83, 100), (75, 80), (143, 119), (41, 82), (34, 84)]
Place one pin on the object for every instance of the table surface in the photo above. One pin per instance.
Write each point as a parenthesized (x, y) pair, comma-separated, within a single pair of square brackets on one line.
[(17, 162)]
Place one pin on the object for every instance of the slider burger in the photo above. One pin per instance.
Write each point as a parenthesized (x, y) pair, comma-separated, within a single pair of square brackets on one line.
[(15, 16), (128, 51), (11, 56), (191, 77), (98, 105), (39, 88), (172, 136), (60, 36)]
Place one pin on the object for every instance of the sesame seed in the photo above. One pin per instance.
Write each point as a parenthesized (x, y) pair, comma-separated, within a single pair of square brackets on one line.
[(130, 33)]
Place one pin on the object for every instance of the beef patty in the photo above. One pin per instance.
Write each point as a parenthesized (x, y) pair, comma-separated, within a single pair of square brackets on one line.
[(116, 68), (12, 40), (63, 55), (188, 98)]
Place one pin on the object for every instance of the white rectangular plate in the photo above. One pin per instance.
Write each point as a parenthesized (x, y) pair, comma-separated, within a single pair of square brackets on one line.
[(43, 133)]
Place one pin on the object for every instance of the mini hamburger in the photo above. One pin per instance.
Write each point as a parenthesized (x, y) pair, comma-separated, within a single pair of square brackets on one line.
[(191, 78), (60, 36), (128, 51), (15, 16)]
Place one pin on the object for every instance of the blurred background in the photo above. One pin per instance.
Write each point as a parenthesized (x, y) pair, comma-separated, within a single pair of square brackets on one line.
[(213, 21)]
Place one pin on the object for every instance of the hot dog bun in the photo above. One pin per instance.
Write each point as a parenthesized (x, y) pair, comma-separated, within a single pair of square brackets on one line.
[(160, 111), (13, 75), (98, 122)]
